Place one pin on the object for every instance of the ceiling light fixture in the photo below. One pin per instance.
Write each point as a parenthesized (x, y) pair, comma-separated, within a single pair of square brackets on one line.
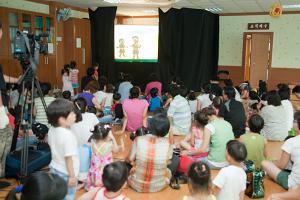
[(291, 6), (213, 9), (112, 1)]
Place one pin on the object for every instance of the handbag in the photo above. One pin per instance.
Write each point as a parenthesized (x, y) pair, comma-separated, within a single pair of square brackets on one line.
[(255, 185)]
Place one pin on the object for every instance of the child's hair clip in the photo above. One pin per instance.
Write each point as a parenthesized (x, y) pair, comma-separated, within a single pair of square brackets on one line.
[(106, 126)]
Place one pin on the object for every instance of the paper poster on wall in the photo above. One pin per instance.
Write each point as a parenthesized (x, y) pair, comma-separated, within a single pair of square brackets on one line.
[(50, 48), (78, 42)]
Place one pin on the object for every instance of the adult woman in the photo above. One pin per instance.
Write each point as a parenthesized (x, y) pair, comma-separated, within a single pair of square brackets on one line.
[(280, 170), (154, 83), (135, 111), (275, 118), (216, 135), (87, 94), (151, 154)]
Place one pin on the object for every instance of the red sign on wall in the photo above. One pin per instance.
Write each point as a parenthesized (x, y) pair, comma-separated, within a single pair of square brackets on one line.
[(258, 26)]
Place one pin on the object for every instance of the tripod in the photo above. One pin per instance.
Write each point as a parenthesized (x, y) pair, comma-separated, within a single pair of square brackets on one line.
[(26, 122)]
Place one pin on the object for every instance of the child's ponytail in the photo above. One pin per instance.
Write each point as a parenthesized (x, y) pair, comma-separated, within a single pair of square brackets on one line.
[(101, 131)]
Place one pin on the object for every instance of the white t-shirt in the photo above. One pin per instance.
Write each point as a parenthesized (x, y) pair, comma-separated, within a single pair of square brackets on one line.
[(82, 130), (180, 111), (109, 99), (204, 100), (275, 119), (289, 110), (63, 143), (292, 147), (232, 181), (237, 95), (193, 105), (100, 95)]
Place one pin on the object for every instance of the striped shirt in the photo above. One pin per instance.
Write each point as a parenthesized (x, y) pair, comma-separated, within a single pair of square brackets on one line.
[(151, 155), (180, 111), (41, 115)]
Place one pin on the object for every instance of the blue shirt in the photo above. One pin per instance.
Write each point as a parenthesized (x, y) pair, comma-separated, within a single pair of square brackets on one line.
[(154, 104), (124, 89)]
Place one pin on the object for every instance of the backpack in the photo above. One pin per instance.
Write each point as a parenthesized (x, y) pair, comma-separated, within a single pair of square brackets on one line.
[(255, 185)]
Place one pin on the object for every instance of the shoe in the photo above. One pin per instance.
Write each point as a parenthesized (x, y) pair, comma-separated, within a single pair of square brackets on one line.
[(174, 183)]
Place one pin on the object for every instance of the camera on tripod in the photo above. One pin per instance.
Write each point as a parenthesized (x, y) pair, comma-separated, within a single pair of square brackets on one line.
[(27, 48)]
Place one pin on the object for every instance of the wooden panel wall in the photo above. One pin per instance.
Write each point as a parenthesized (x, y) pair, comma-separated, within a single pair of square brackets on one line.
[(283, 75), (276, 75), (236, 73), (78, 28)]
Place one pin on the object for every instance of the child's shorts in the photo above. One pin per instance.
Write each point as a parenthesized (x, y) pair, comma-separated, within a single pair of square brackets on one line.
[(282, 178)]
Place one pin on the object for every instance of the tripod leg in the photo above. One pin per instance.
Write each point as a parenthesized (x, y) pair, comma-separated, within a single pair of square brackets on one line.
[(40, 93)]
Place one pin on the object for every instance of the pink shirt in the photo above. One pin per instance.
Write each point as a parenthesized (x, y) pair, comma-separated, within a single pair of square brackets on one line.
[(134, 109), (151, 85)]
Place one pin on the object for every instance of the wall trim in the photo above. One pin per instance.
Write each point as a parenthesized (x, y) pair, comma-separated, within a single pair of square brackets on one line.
[(257, 13)]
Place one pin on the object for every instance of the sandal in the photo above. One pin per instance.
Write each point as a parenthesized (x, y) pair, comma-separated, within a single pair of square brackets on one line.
[(174, 183)]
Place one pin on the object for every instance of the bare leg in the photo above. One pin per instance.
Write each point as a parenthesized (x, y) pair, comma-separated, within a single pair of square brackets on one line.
[(271, 169)]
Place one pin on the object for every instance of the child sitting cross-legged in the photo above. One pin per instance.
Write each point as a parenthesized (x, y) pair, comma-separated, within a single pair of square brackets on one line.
[(230, 183), (114, 178), (194, 140), (199, 182), (103, 144)]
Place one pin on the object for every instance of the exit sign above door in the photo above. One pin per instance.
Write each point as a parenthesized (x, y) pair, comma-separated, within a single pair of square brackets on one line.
[(258, 26)]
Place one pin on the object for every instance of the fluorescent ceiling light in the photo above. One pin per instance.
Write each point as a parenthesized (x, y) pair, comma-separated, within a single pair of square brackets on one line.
[(291, 6), (213, 9), (112, 1), (150, 11)]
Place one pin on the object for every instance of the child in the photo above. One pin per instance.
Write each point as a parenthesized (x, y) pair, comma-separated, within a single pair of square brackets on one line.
[(114, 179), (96, 71), (63, 143), (199, 182), (103, 144), (194, 140), (155, 101), (230, 183), (40, 185), (254, 142), (192, 101), (67, 95), (74, 75), (66, 80), (116, 108)]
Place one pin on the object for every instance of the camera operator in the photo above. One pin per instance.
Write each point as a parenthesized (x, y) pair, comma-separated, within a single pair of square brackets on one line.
[(6, 133)]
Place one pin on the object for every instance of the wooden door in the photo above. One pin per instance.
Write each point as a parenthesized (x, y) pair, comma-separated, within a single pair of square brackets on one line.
[(260, 48)]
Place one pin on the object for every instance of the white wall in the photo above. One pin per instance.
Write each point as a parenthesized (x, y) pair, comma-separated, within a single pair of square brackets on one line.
[(286, 40)]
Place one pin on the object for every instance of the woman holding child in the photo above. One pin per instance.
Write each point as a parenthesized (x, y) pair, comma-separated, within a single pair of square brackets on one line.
[(216, 134)]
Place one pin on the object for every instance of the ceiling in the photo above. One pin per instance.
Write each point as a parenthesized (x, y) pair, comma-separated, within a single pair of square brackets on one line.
[(149, 7)]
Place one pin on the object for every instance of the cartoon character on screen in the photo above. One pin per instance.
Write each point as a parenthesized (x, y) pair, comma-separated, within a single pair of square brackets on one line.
[(135, 46), (121, 48)]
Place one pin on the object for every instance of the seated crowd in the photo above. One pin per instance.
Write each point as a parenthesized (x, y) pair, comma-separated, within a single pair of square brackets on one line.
[(221, 129)]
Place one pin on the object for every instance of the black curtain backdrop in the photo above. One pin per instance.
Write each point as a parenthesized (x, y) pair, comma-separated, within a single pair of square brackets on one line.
[(188, 46), (102, 38)]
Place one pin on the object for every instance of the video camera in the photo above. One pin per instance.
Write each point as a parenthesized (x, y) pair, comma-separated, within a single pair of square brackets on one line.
[(27, 48)]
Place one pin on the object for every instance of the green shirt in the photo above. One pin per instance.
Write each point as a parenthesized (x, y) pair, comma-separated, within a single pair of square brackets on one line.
[(255, 145), (221, 133)]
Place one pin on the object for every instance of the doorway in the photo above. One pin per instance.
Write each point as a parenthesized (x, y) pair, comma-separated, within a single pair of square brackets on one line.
[(257, 56)]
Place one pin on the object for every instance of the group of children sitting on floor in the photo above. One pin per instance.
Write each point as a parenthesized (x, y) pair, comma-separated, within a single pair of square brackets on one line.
[(209, 122)]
